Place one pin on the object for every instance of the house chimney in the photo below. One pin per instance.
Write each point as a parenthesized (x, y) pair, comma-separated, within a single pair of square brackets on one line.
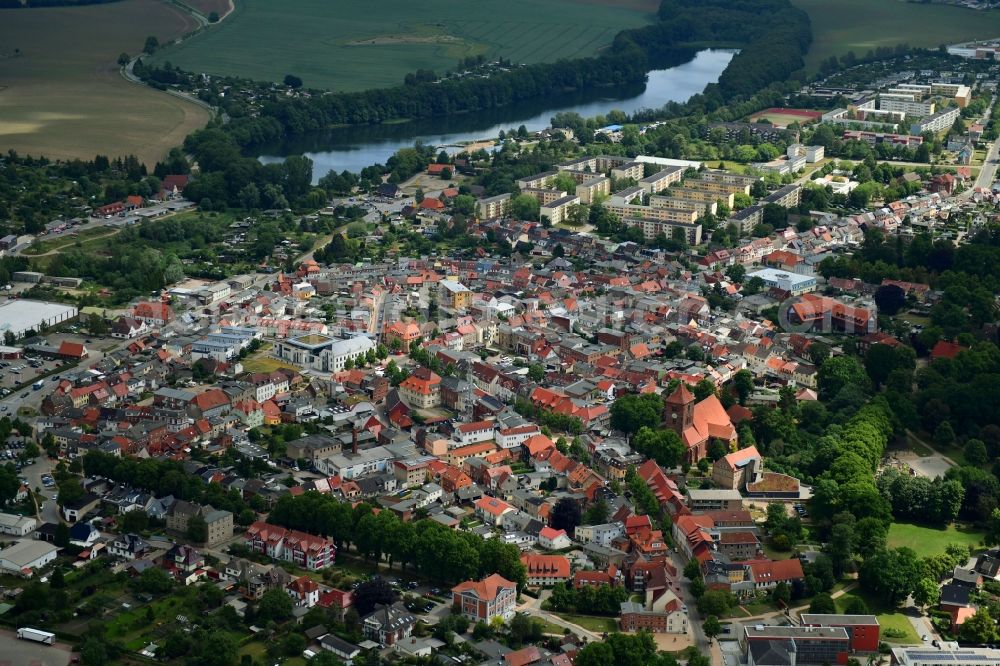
[(354, 440)]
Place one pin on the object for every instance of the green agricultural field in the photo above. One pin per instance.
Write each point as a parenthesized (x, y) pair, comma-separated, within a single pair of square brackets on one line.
[(61, 94), (927, 541), (355, 45), (860, 25)]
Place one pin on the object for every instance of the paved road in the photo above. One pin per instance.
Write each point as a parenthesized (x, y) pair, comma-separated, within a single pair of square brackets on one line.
[(695, 620), (533, 607), (22, 653), (129, 76), (117, 223), (32, 399), (43, 465)]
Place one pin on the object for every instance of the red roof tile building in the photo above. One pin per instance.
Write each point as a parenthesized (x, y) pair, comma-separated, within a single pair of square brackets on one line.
[(546, 570), (154, 314), (766, 574), (697, 422), (487, 599), (304, 550)]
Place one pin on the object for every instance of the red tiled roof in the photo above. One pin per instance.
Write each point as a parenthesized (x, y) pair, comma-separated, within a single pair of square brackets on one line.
[(765, 571), (551, 566), (73, 349), (493, 506), (946, 349), (486, 589)]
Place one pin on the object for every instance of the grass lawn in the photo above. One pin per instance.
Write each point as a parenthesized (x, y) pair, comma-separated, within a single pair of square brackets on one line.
[(549, 628), (255, 649), (346, 46), (63, 97), (263, 363), (927, 541), (861, 25), (776, 554), (888, 619), (591, 622)]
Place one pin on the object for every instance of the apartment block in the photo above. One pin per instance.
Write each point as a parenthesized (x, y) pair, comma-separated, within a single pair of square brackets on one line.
[(544, 196), (305, 550), (788, 196), (677, 203), (653, 228), (907, 103), (493, 207), (811, 153), (699, 194), (873, 138), (709, 183), (558, 211), (589, 190), (537, 181), (661, 180), (936, 122)]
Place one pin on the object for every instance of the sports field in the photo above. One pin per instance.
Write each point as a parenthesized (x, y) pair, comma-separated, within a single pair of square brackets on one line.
[(61, 94), (785, 117), (928, 541), (860, 25), (357, 44)]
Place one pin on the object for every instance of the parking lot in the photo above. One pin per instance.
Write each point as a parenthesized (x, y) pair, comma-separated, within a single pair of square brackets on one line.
[(24, 371), (23, 653), (11, 452)]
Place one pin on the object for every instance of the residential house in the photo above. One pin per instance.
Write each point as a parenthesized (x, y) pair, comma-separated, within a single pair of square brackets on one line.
[(387, 625), (553, 539), (487, 599)]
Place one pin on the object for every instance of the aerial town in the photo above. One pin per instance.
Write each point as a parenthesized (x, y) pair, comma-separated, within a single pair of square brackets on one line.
[(620, 390)]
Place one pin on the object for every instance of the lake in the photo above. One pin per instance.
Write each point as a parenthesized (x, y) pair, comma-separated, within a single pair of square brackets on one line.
[(353, 148)]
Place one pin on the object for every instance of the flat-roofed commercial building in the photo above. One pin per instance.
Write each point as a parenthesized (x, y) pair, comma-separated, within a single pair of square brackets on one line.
[(21, 315), (863, 630), (808, 646), (321, 352), (945, 656), (793, 283)]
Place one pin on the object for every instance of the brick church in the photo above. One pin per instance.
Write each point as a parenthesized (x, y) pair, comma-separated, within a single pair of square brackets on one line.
[(697, 422)]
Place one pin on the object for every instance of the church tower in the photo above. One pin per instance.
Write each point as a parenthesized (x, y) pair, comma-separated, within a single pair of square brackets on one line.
[(678, 411)]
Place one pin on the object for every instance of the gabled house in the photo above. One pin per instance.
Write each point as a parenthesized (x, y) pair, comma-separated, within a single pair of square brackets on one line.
[(487, 599), (128, 547), (387, 625), (304, 592)]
